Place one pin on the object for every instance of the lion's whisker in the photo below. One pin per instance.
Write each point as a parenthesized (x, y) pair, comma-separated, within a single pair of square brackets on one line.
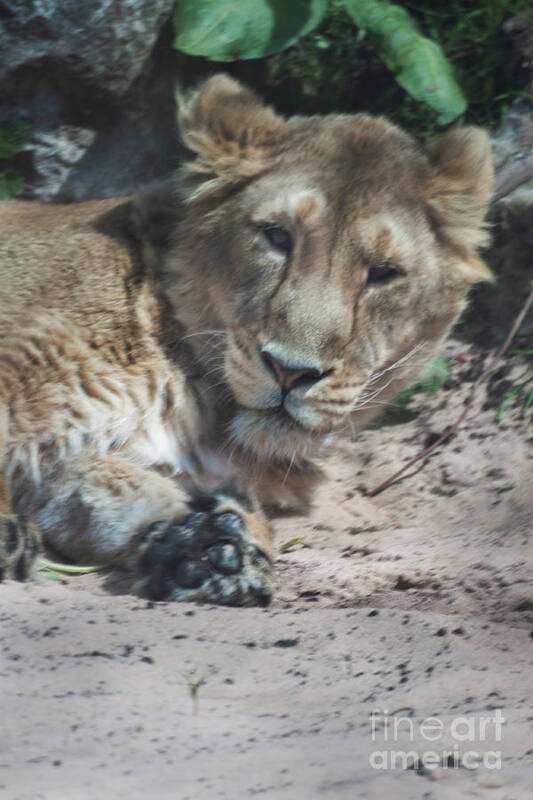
[(368, 398), (400, 362), (291, 462), (205, 333)]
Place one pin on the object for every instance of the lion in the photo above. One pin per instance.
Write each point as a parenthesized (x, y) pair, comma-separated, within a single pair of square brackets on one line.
[(174, 363)]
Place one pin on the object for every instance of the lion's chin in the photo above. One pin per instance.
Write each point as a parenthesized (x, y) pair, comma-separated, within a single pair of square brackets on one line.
[(273, 435)]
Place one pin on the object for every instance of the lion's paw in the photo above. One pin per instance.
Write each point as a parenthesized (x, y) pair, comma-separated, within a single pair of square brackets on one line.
[(19, 545), (209, 557)]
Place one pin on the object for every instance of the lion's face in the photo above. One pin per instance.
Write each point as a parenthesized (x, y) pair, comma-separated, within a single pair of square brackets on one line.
[(333, 253)]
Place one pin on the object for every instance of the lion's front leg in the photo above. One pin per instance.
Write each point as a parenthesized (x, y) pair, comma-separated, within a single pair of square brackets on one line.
[(213, 548), (19, 540), (19, 545)]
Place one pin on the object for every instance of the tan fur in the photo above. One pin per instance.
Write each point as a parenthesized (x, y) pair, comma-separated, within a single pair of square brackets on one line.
[(136, 335)]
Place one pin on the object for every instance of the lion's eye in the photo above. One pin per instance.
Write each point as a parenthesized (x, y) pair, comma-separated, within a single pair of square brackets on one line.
[(382, 273), (279, 239)]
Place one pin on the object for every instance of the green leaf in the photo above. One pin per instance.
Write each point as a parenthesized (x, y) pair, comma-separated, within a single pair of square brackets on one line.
[(429, 381), (505, 403), (288, 546), (12, 137), (403, 399), (227, 30), (419, 64), (512, 395), (11, 185), (434, 376), (68, 569)]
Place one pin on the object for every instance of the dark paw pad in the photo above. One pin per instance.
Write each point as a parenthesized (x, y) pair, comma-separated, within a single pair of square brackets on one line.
[(224, 557), (209, 557)]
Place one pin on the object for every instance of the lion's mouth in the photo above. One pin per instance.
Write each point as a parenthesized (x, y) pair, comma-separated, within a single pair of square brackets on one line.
[(274, 434), (279, 418), (283, 417)]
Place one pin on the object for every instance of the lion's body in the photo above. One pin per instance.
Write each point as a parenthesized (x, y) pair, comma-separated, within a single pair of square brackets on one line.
[(164, 361), (84, 347)]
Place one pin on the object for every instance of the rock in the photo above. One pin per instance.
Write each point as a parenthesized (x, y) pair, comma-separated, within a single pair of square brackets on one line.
[(495, 307), (92, 80), (55, 154), (519, 29), (101, 42), (513, 145), (512, 150)]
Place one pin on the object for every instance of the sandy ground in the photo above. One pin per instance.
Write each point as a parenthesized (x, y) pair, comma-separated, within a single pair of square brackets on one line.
[(415, 603)]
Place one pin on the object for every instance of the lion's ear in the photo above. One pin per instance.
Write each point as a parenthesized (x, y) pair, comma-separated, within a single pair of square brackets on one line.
[(460, 186), (229, 128)]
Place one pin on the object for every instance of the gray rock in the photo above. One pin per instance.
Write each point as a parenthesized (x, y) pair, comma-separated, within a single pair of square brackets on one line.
[(94, 81), (512, 150), (519, 30), (55, 153), (101, 42), (496, 306)]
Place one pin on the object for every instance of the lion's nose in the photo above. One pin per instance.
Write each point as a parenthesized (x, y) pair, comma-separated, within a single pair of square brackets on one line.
[(289, 376)]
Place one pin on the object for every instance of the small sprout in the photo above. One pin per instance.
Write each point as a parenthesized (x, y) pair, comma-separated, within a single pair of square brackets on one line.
[(194, 688), (291, 544)]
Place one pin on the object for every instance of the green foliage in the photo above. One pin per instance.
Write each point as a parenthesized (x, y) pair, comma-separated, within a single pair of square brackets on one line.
[(471, 35), (12, 138), (227, 30), (429, 382), (335, 68), (519, 389), (327, 70), (11, 185), (419, 65), (528, 401)]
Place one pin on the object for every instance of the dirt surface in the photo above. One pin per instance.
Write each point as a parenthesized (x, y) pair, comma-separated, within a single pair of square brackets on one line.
[(416, 603)]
